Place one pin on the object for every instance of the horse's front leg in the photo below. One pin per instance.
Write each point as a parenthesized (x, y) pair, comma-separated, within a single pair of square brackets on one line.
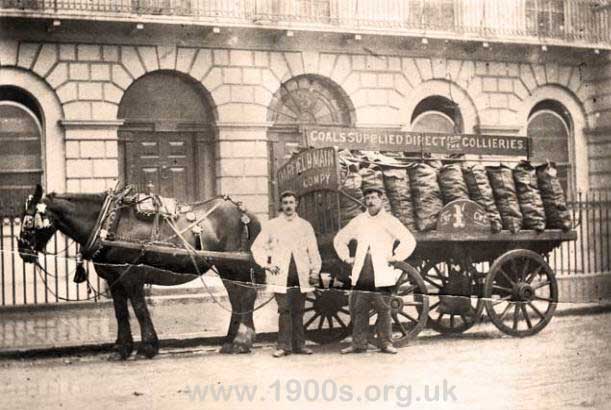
[(241, 334), (124, 344), (149, 346)]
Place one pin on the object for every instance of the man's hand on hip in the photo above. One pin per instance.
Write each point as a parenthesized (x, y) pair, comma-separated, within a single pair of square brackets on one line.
[(273, 269), (349, 261)]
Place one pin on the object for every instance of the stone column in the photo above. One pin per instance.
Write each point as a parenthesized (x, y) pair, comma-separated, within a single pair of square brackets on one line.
[(242, 166), (92, 163), (598, 110)]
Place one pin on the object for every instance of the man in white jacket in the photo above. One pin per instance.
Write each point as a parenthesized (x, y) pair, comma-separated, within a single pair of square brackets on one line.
[(376, 233), (286, 247)]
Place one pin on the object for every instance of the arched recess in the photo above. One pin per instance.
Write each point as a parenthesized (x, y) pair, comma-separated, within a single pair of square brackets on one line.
[(307, 99), (563, 104), (167, 141), (32, 94), (437, 114), (446, 91)]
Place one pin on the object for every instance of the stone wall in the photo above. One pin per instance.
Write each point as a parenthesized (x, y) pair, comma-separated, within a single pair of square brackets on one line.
[(599, 112), (89, 80)]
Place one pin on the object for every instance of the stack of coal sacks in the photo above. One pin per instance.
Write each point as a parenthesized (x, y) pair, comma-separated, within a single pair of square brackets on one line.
[(525, 197)]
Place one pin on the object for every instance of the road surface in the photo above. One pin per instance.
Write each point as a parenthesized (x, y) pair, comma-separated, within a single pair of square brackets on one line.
[(568, 365)]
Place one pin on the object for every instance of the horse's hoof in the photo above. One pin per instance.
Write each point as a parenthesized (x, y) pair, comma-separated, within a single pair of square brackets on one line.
[(148, 350), (226, 348), (241, 348)]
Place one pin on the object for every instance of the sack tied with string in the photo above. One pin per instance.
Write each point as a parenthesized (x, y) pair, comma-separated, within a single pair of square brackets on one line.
[(452, 183), (504, 188), (529, 197), (557, 213), (480, 191), (426, 195), (398, 191)]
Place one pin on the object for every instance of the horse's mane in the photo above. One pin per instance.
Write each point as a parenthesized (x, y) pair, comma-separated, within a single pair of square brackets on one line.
[(94, 197)]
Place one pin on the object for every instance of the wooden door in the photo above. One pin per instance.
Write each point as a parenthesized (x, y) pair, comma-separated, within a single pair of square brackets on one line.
[(165, 160)]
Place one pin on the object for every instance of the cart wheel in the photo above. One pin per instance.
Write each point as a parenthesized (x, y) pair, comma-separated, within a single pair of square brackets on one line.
[(409, 304), (437, 277), (327, 318), (521, 280)]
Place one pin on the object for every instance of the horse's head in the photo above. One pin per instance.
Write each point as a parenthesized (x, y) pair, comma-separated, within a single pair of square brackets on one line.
[(37, 227)]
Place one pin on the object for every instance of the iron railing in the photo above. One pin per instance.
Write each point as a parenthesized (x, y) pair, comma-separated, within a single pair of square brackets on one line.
[(570, 21), (22, 284)]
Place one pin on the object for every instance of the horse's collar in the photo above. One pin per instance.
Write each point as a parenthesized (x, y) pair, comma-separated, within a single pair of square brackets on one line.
[(93, 244)]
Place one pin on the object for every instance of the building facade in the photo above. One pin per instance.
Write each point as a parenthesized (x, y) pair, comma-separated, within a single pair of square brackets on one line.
[(197, 98)]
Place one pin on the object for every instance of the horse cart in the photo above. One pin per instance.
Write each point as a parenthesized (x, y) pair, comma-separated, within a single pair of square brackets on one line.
[(458, 270)]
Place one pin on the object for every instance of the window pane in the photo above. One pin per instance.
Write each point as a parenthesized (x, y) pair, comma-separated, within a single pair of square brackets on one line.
[(549, 136), (433, 121), (20, 157)]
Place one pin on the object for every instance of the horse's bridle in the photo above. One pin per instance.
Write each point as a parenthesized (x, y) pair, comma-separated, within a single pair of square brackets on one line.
[(33, 223)]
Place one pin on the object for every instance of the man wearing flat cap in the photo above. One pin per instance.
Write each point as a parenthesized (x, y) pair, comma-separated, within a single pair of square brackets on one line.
[(376, 233), (286, 247)]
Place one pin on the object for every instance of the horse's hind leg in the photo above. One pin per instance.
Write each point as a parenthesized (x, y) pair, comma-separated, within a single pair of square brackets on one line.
[(149, 346), (124, 344)]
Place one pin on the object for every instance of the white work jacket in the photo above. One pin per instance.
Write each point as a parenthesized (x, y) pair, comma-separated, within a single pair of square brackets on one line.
[(377, 233), (280, 238)]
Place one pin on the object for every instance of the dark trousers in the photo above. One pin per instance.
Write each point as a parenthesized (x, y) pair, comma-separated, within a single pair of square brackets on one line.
[(291, 334), (363, 297)]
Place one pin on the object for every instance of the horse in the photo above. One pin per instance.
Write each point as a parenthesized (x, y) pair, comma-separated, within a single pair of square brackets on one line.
[(222, 226)]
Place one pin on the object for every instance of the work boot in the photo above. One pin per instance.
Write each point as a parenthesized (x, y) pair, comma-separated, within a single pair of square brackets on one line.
[(303, 350), (390, 349), (281, 353), (352, 349)]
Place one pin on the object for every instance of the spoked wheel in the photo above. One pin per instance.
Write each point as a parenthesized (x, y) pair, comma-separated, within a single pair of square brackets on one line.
[(438, 277), (327, 318), (409, 305), (521, 293)]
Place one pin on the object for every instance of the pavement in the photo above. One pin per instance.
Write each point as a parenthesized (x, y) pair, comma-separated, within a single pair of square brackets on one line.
[(187, 318), (566, 366)]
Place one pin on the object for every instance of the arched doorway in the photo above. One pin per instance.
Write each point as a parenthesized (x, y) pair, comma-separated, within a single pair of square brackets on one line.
[(167, 140), (21, 160), (303, 100), (550, 128)]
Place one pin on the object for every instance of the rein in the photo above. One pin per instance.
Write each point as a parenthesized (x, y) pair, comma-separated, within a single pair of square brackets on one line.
[(93, 246)]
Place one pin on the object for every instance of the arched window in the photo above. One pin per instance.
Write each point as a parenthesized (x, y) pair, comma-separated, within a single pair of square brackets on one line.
[(302, 100), (437, 114), (21, 166), (550, 128)]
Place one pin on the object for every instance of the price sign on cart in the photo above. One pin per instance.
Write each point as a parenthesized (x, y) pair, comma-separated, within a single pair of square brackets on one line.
[(463, 215)]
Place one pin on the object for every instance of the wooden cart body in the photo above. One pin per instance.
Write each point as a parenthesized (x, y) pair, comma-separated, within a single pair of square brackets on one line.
[(470, 251)]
